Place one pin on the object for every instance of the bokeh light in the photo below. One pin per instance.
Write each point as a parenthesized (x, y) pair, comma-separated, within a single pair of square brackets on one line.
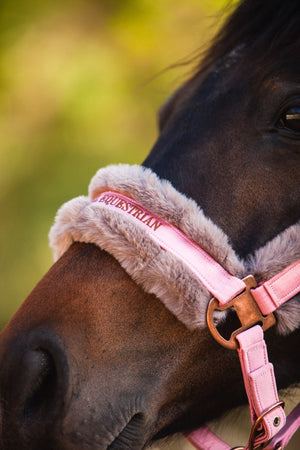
[(78, 90)]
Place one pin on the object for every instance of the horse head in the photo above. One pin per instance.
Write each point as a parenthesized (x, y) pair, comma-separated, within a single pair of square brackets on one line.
[(92, 358)]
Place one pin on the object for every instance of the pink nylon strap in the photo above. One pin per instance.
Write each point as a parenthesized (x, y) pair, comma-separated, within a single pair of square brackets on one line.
[(284, 436), (204, 439), (276, 291), (260, 382), (214, 277), (261, 390)]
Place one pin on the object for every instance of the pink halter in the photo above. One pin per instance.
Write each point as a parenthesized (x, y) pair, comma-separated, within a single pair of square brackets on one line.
[(253, 305)]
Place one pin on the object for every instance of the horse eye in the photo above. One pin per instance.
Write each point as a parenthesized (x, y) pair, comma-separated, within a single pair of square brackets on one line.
[(290, 119)]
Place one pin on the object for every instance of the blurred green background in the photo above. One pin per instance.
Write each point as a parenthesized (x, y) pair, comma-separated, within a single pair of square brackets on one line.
[(78, 90)]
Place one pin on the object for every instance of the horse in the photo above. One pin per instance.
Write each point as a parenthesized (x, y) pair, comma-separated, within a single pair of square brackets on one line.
[(93, 359)]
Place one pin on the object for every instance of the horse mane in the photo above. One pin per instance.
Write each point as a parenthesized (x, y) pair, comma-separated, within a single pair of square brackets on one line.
[(267, 30)]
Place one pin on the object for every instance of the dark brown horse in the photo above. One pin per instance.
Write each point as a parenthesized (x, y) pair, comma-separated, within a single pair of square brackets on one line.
[(92, 361)]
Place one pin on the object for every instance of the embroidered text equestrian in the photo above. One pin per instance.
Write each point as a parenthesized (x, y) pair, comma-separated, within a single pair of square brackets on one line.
[(131, 208)]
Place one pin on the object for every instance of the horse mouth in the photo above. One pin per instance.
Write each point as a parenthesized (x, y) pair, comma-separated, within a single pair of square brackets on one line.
[(131, 436)]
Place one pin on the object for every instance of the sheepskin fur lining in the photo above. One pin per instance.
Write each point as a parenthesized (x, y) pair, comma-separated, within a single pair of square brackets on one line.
[(156, 270)]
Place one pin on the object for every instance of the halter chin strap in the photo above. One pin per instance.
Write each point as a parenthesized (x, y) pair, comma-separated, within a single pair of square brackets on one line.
[(253, 305)]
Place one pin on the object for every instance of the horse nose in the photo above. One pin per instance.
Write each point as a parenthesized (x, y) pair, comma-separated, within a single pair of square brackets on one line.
[(34, 375), (39, 383)]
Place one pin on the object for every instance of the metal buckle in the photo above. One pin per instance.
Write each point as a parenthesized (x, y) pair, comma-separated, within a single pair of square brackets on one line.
[(253, 433), (256, 425), (247, 311)]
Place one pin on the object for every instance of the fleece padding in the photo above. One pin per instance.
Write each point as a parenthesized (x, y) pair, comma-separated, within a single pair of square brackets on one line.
[(157, 271)]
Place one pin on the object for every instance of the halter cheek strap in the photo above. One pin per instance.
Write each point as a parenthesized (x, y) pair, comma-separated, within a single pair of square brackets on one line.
[(276, 291), (252, 304)]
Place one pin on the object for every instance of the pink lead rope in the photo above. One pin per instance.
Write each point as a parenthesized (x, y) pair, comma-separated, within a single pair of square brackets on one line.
[(252, 304)]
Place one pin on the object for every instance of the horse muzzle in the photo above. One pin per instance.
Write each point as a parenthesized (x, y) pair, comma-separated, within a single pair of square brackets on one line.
[(42, 405)]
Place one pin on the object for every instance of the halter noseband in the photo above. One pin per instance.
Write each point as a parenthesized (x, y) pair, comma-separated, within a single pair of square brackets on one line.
[(252, 304)]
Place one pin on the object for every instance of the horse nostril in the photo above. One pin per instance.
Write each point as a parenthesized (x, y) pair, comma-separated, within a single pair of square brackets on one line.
[(39, 382), (33, 384)]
